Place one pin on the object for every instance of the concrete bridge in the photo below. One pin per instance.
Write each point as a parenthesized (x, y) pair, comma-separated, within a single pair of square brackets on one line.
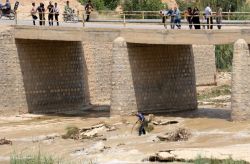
[(57, 69)]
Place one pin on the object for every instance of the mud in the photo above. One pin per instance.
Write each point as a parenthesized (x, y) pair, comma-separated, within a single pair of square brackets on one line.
[(213, 134)]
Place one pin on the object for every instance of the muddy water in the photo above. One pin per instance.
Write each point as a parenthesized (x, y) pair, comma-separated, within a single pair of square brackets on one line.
[(212, 132)]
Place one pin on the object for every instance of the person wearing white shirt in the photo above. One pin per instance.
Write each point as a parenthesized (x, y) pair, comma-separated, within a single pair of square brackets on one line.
[(56, 10), (208, 14)]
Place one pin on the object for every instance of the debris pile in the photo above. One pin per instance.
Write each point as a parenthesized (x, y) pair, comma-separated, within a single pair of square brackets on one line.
[(72, 133), (164, 122), (5, 142), (163, 156), (88, 132), (180, 134)]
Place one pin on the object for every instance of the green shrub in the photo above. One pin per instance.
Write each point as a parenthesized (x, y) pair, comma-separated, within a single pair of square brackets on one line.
[(146, 5), (32, 159), (72, 132), (215, 92), (103, 4), (224, 57), (200, 160)]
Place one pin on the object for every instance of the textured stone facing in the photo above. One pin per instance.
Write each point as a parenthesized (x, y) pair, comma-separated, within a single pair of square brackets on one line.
[(240, 81), (98, 56), (12, 95), (87, 77), (205, 69), (152, 78), (53, 75)]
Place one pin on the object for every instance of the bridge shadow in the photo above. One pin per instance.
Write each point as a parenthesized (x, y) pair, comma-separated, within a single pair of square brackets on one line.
[(163, 77), (211, 113), (55, 78)]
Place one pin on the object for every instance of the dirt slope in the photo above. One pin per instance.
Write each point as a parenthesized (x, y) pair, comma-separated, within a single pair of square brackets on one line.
[(25, 6)]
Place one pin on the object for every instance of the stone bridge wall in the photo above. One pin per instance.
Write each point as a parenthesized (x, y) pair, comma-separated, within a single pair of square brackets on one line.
[(205, 69), (87, 78), (152, 78), (241, 81), (54, 75), (12, 94)]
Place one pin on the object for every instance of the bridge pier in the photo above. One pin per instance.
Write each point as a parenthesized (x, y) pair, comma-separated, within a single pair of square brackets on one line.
[(241, 82), (152, 78)]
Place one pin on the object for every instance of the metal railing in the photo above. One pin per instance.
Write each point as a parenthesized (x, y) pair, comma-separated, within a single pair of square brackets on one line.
[(150, 17)]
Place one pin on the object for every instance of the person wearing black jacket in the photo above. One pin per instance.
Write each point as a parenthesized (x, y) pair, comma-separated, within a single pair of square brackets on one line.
[(196, 18), (50, 8), (41, 12), (88, 8)]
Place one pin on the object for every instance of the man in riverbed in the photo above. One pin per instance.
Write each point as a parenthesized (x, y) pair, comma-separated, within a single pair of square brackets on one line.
[(142, 122)]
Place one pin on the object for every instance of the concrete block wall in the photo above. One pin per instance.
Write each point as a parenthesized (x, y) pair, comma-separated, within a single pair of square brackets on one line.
[(54, 75), (12, 94), (152, 78), (205, 67)]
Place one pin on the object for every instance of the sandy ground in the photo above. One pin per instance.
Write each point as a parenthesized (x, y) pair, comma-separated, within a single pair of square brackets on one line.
[(212, 135)]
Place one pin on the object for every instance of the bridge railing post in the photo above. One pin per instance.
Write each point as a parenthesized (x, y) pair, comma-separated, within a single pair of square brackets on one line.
[(83, 20), (209, 21), (143, 15), (124, 20), (15, 18), (228, 15), (165, 21)]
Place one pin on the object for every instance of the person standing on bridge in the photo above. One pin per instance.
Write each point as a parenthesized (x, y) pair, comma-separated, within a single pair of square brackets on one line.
[(88, 8), (219, 16), (189, 16), (41, 11), (56, 11), (209, 17), (50, 8), (177, 17), (196, 18), (170, 13), (33, 13)]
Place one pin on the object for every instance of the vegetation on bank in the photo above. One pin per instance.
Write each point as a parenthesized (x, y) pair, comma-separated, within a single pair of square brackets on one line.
[(201, 160), (215, 92), (32, 159), (224, 57)]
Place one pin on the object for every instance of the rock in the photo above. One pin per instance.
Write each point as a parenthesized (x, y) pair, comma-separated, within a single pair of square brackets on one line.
[(94, 131), (5, 142), (156, 123), (164, 122), (180, 134), (120, 144), (165, 156), (169, 122)]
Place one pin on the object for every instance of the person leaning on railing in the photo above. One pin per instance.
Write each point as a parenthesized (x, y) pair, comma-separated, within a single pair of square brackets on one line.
[(177, 17), (163, 16), (170, 13)]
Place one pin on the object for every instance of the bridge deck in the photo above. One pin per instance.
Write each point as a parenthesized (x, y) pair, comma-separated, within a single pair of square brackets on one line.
[(133, 35)]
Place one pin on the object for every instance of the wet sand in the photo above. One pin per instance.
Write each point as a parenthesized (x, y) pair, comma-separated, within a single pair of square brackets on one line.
[(212, 134)]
